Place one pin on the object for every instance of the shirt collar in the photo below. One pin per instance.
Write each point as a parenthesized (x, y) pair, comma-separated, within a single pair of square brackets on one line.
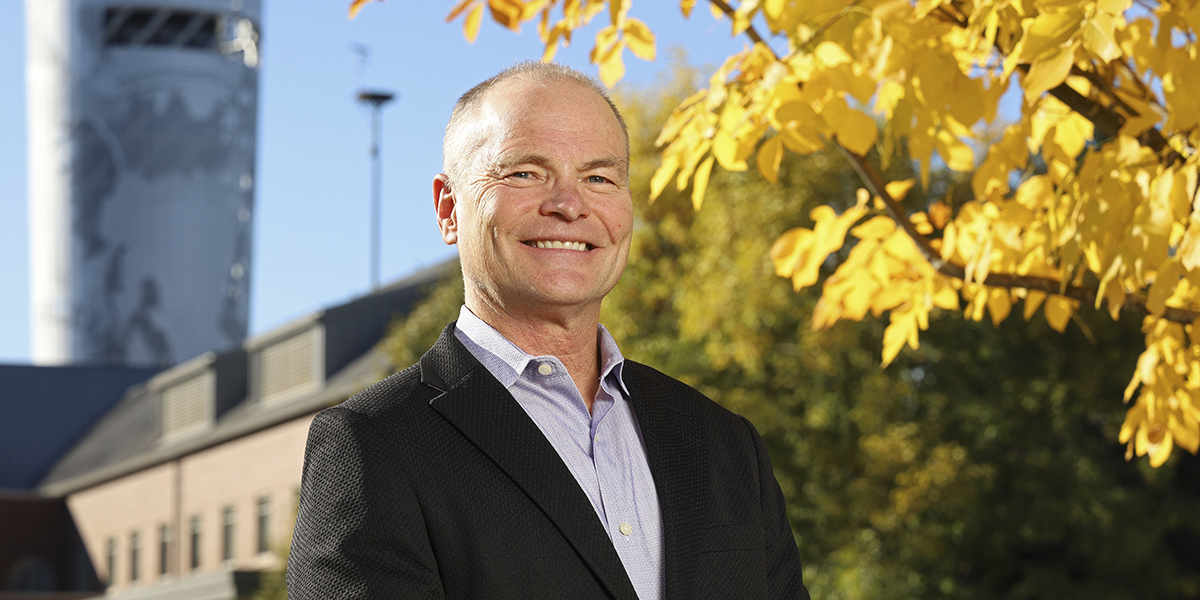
[(507, 362)]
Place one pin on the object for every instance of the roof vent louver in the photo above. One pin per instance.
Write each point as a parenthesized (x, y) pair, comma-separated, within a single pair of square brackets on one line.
[(187, 405), (289, 366)]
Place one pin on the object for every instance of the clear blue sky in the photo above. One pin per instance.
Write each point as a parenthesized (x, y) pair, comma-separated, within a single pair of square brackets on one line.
[(311, 217)]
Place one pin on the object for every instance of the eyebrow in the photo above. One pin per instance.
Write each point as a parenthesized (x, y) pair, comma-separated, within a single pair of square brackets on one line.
[(606, 162)]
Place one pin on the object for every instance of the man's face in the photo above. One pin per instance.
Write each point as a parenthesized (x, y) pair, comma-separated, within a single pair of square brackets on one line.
[(542, 216)]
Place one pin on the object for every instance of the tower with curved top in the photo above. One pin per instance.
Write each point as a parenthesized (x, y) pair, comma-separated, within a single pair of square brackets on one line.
[(142, 121)]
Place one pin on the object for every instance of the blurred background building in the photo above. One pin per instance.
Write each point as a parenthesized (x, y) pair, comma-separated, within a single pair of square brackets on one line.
[(142, 120), (179, 483), (153, 451)]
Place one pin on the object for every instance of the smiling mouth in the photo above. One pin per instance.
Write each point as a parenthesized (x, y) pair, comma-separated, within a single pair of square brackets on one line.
[(557, 245)]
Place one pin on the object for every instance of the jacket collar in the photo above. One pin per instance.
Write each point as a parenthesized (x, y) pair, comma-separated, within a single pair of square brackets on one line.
[(475, 403), (483, 411)]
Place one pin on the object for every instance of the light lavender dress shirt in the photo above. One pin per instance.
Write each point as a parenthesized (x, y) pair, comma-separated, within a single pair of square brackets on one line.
[(603, 449)]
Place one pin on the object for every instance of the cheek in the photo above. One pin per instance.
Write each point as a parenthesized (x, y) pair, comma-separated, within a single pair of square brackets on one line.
[(620, 222)]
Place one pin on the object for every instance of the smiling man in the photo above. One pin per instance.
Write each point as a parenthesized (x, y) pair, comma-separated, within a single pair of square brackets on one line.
[(524, 456)]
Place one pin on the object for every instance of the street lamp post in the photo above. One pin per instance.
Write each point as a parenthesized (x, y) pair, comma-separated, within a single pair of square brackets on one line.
[(375, 99)]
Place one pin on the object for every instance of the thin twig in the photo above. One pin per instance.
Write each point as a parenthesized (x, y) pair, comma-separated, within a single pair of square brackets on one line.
[(730, 12)]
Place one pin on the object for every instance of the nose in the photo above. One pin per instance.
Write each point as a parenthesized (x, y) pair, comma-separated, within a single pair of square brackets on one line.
[(566, 200)]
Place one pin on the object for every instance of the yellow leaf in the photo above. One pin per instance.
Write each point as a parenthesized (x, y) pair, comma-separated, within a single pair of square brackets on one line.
[(901, 330), (788, 251), (1033, 299), (725, 148), (1098, 37), (606, 40), (946, 298), (770, 155), (612, 68), (454, 12), (640, 39), (774, 8), (831, 54), (1163, 287), (1189, 248), (1073, 133), (1058, 311), (506, 13), (617, 10), (999, 304), (939, 214), (958, 156), (1047, 73), (531, 8), (700, 182), (663, 175), (1048, 31), (358, 5), (899, 189), (857, 132), (471, 23), (874, 229), (686, 6)]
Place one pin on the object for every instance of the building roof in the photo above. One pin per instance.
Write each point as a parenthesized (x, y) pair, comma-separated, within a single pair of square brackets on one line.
[(128, 438), (44, 410)]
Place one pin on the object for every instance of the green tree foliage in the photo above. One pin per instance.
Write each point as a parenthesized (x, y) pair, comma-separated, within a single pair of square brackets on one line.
[(980, 466)]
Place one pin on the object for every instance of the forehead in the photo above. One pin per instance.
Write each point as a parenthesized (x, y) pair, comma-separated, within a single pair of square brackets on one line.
[(553, 112)]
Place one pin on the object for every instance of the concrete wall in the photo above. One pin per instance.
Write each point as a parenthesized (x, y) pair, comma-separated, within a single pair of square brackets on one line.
[(237, 473)]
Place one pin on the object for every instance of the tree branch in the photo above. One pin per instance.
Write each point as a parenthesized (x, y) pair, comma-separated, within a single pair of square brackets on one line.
[(730, 12), (1133, 303), (1109, 121)]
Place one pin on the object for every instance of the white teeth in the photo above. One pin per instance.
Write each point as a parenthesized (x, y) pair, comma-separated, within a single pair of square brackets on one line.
[(580, 246)]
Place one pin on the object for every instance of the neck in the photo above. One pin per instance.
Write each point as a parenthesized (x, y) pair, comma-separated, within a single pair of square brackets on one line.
[(569, 336)]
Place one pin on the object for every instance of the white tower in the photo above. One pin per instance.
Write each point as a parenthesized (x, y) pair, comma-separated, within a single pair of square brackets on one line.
[(142, 119)]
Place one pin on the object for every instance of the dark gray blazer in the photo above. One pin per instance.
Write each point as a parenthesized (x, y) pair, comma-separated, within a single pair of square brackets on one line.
[(434, 483)]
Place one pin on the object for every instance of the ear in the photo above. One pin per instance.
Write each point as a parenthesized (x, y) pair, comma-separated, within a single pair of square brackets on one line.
[(444, 203)]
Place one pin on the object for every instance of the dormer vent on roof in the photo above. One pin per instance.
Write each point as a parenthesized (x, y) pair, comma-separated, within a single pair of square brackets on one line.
[(190, 397), (288, 363)]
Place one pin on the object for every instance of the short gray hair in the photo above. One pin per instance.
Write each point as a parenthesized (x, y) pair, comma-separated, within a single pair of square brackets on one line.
[(455, 149)]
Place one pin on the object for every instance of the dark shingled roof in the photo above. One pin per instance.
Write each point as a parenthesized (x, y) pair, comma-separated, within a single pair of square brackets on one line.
[(45, 410)]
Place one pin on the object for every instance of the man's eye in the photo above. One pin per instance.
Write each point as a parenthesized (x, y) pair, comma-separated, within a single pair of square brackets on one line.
[(597, 179), (522, 175)]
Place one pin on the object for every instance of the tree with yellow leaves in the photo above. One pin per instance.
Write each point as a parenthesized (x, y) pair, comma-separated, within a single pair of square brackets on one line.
[(1088, 196)]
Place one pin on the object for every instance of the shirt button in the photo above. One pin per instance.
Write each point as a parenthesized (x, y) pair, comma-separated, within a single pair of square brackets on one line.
[(545, 369), (626, 529)]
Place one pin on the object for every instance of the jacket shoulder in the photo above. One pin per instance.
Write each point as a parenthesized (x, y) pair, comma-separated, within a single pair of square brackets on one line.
[(642, 378), (398, 392)]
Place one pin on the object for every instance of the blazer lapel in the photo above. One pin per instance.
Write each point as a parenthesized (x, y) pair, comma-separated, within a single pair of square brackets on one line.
[(678, 460), (475, 403)]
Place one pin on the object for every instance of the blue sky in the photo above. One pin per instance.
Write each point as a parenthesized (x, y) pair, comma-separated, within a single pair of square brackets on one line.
[(311, 212)]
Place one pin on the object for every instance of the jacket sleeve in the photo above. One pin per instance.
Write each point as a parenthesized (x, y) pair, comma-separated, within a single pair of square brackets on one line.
[(359, 528), (784, 579)]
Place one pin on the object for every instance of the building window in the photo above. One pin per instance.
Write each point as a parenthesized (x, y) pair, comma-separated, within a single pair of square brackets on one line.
[(160, 27), (195, 542), (111, 560), (264, 524), (135, 549), (164, 549), (227, 533)]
